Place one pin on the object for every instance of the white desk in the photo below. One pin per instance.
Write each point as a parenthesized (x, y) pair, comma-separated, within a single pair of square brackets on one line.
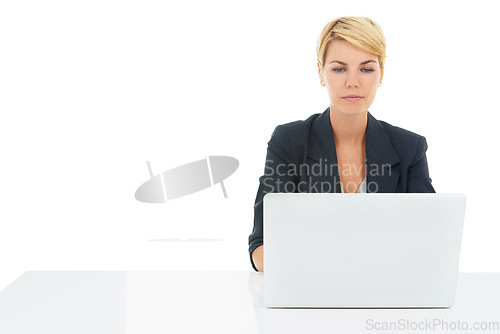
[(211, 302)]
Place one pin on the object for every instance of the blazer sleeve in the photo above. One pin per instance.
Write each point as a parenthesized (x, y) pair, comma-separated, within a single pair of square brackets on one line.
[(418, 171), (277, 175)]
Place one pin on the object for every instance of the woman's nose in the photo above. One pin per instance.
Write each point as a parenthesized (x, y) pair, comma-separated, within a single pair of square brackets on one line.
[(352, 80)]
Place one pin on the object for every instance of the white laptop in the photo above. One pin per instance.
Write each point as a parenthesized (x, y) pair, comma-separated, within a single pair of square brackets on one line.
[(361, 250)]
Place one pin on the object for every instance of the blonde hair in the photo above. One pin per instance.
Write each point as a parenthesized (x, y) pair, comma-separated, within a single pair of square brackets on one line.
[(361, 32)]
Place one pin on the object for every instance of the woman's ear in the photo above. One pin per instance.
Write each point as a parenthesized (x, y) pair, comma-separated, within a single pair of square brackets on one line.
[(320, 74)]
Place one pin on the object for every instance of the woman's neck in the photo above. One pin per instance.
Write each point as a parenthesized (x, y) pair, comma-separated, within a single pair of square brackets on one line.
[(349, 129)]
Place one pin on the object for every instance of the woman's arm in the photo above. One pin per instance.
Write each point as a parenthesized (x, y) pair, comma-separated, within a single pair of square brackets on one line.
[(418, 172), (276, 176)]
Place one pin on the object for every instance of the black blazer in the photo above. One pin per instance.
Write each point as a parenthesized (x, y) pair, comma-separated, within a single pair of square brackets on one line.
[(301, 157)]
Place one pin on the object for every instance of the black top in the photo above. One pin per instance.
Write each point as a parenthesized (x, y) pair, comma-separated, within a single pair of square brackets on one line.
[(301, 157)]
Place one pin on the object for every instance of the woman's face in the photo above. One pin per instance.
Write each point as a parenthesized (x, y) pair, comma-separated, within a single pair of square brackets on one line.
[(351, 77)]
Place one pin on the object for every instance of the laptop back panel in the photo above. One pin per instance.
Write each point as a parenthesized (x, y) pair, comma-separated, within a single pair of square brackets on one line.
[(361, 250)]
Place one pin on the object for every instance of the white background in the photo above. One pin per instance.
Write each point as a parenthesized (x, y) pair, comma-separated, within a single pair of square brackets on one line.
[(91, 90)]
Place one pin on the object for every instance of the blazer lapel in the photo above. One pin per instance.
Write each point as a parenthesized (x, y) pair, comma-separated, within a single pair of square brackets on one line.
[(323, 153), (381, 176)]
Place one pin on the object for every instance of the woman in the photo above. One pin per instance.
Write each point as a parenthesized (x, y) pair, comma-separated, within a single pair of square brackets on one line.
[(344, 149)]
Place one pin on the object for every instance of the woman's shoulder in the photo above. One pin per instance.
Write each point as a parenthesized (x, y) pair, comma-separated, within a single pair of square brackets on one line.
[(292, 140), (399, 132), (300, 124), (404, 140), (295, 129)]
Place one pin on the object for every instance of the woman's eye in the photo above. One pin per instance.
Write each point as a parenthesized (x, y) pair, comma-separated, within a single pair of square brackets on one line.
[(338, 70), (367, 70)]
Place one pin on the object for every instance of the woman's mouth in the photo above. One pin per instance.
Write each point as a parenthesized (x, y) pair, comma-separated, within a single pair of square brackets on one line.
[(352, 98)]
